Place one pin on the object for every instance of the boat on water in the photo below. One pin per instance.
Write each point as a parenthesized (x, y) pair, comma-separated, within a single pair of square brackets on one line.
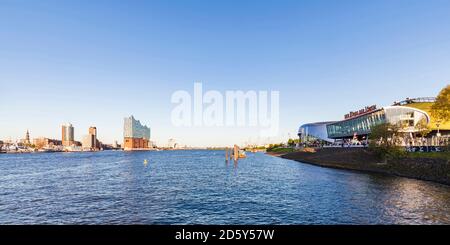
[(242, 154)]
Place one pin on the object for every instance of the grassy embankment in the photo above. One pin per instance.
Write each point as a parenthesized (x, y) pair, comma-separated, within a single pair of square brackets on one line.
[(434, 155), (281, 150), (434, 166)]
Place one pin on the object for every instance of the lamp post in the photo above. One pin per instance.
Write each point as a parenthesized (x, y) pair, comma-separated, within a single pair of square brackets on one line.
[(438, 134)]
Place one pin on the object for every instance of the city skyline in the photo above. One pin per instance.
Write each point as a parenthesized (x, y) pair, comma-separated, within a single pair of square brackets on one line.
[(241, 120), (75, 64)]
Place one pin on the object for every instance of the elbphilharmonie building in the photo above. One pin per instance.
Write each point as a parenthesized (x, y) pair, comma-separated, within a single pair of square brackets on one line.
[(136, 136)]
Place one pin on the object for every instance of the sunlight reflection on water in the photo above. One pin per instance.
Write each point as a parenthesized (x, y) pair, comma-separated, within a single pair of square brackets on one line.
[(199, 187)]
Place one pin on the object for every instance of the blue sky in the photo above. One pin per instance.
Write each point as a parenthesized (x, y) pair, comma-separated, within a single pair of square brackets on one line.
[(95, 62)]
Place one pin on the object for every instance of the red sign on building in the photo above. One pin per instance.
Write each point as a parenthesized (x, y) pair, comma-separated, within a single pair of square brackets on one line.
[(353, 114)]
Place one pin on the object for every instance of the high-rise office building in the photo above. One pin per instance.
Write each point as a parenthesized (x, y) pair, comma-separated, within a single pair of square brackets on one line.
[(136, 135), (93, 133), (90, 141), (93, 130), (68, 138)]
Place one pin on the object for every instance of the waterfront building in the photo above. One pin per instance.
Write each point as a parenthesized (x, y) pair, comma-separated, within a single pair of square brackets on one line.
[(172, 144), (73, 148), (440, 131), (357, 125), (90, 141), (43, 142), (25, 141), (314, 133), (116, 145), (68, 138), (136, 136)]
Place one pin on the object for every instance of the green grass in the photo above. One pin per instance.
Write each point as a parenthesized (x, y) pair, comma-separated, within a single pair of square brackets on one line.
[(441, 155), (281, 150)]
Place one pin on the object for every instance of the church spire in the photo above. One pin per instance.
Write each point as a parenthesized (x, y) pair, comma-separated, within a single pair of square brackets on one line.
[(27, 137)]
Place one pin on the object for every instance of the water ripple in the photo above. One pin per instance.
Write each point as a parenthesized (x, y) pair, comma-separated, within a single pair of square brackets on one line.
[(198, 187)]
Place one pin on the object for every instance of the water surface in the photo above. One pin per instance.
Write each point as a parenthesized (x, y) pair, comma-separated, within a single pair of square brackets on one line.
[(199, 187)]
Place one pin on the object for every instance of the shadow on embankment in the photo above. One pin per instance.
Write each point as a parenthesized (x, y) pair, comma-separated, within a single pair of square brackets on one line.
[(361, 159)]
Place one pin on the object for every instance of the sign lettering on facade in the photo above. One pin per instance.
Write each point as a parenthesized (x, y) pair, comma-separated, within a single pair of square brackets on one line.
[(360, 112)]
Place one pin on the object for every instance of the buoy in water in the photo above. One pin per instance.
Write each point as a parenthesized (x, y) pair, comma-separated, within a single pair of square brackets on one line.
[(145, 162)]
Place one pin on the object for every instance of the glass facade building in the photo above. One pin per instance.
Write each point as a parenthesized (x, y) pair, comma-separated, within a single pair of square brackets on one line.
[(68, 135), (357, 125), (408, 117), (360, 125), (313, 132), (132, 128)]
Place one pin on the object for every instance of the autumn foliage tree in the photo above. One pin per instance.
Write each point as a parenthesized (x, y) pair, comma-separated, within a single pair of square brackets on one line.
[(383, 134), (441, 108)]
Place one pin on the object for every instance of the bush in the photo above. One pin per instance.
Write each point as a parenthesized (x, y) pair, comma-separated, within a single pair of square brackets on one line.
[(272, 147), (281, 150), (396, 152), (385, 152)]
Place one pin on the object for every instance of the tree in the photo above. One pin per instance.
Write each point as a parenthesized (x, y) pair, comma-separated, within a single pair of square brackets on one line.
[(291, 142), (440, 109), (422, 129), (382, 141), (384, 134)]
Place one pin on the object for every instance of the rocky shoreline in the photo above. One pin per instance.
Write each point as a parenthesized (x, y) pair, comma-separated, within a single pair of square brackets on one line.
[(360, 159)]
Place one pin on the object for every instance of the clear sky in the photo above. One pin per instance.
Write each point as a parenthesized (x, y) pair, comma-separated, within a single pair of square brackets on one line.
[(95, 62)]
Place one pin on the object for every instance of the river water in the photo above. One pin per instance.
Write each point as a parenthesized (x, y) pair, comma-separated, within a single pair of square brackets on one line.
[(199, 187)]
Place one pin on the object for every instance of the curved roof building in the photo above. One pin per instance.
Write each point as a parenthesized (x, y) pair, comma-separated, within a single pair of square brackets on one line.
[(314, 131), (407, 113), (424, 104)]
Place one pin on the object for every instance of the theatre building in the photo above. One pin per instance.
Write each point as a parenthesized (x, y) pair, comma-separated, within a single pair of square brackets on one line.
[(136, 136), (357, 124), (315, 133)]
